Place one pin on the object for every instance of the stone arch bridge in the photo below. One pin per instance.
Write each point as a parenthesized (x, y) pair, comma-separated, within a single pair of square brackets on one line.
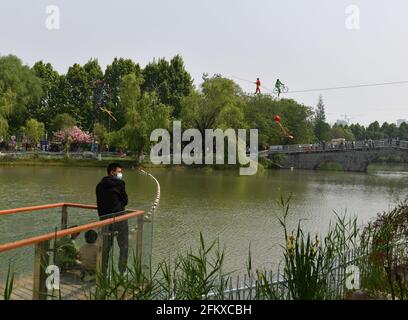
[(356, 157)]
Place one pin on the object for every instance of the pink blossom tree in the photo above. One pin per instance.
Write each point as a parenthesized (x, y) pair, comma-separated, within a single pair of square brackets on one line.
[(71, 136)]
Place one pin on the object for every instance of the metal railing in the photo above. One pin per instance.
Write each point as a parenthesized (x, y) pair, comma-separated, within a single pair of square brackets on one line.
[(248, 286), (61, 154), (328, 147), (41, 242), (140, 235)]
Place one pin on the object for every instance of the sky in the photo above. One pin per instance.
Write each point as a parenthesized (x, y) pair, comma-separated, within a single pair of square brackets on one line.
[(307, 44)]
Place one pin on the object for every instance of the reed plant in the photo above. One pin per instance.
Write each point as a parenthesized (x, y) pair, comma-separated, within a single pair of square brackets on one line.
[(8, 288), (310, 262), (386, 264), (191, 276)]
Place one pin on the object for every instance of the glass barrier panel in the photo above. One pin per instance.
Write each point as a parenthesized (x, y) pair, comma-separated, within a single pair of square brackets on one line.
[(56, 263)]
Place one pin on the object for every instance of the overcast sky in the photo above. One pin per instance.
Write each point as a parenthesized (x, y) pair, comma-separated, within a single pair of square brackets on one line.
[(305, 43)]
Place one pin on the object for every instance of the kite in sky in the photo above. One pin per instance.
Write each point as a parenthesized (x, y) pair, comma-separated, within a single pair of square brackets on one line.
[(285, 131), (108, 112)]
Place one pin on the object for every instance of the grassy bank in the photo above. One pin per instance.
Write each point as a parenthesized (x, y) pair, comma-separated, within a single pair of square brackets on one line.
[(127, 163)]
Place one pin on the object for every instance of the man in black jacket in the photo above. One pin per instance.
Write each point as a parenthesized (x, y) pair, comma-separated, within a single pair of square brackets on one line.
[(111, 200)]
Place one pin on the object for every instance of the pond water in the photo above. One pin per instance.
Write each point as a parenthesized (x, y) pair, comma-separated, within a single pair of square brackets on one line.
[(238, 210)]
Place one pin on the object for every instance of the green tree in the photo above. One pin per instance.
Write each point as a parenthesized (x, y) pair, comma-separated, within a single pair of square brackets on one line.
[(170, 80), (321, 127), (48, 106), (389, 130), (129, 93), (117, 139), (8, 100), (94, 74), (322, 131), (113, 80), (259, 113), (19, 89), (338, 131), (7, 103), (3, 128), (403, 131), (232, 116), (79, 100), (34, 131), (374, 131), (101, 135), (358, 131), (320, 114), (144, 113), (149, 114), (297, 119), (202, 110), (62, 121)]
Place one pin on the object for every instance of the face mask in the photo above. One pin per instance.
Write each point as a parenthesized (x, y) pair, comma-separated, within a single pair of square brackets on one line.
[(119, 176)]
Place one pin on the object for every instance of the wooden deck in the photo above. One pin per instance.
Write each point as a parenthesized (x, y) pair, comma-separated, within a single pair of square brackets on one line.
[(71, 288)]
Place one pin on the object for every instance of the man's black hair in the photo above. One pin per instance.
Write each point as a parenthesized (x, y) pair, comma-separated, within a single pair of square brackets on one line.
[(113, 167), (91, 236)]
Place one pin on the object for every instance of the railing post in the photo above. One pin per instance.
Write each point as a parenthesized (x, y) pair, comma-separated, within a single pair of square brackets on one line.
[(64, 217), (139, 237), (41, 262), (99, 256)]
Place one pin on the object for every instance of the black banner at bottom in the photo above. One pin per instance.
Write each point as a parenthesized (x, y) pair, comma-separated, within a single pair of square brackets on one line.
[(211, 310)]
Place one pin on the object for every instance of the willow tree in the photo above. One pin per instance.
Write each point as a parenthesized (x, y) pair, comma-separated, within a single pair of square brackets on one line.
[(3, 128), (143, 113), (34, 131), (20, 87), (208, 108)]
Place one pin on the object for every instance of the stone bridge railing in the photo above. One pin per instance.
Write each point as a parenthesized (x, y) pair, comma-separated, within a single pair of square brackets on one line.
[(328, 147), (354, 156)]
